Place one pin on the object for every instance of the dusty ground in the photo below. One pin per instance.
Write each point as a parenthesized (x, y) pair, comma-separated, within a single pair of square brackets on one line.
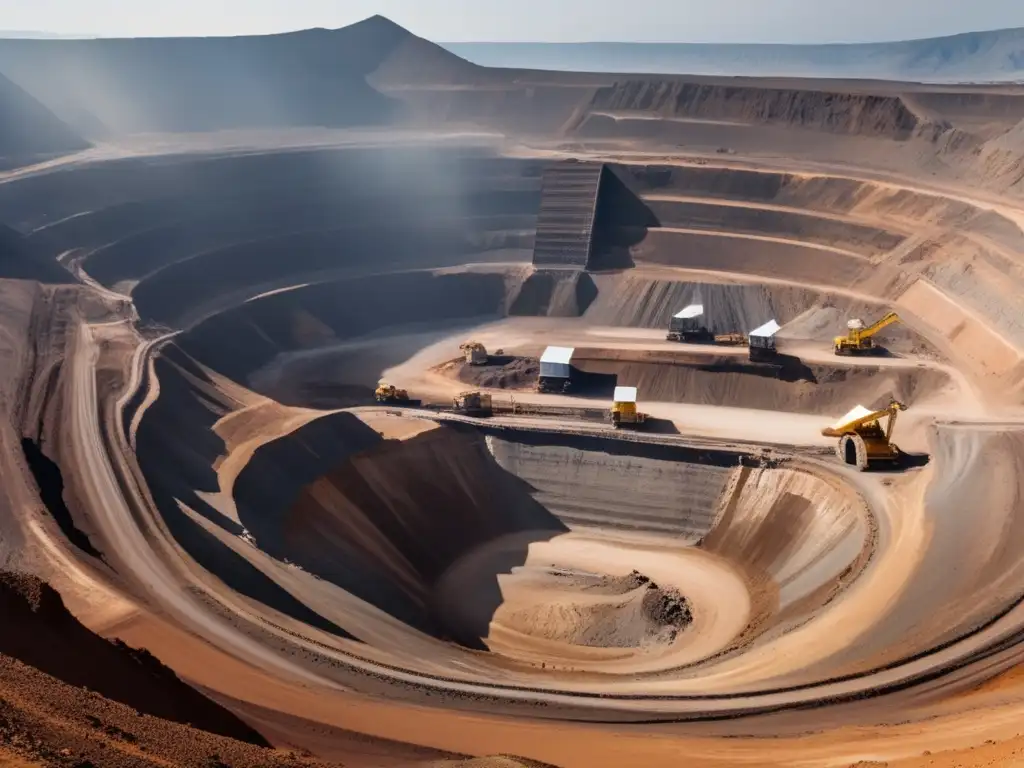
[(193, 460)]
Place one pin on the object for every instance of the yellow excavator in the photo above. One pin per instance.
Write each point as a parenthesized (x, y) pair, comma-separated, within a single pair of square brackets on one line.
[(389, 393), (857, 340), (863, 442)]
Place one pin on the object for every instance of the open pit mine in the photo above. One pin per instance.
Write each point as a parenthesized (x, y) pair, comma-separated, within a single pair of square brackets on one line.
[(362, 406)]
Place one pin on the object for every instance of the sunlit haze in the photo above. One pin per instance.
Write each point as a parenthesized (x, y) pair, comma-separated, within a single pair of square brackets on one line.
[(779, 21)]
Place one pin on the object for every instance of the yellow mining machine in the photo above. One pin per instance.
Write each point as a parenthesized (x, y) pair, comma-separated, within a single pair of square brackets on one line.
[(473, 404), (863, 442), (475, 352), (857, 340), (389, 393), (624, 412)]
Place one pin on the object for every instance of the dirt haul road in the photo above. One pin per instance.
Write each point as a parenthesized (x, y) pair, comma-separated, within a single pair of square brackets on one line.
[(392, 586)]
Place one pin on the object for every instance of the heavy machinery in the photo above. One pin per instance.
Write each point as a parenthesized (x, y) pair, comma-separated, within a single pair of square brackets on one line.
[(730, 339), (389, 393), (863, 442), (473, 404), (556, 370), (475, 352), (857, 340), (762, 343), (624, 412), (685, 326)]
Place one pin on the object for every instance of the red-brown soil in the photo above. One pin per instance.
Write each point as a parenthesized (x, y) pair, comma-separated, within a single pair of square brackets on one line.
[(70, 698)]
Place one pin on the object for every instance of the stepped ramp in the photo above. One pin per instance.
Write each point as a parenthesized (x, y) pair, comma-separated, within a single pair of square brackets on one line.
[(565, 223)]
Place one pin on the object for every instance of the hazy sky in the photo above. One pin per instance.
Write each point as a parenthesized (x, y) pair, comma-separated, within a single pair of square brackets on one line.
[(802, 21)]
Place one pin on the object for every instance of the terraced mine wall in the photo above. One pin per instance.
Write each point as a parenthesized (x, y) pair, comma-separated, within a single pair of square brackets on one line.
[(853, 113), (192, 235), (725, 381), (239, 342), (632, 299), (391, 523), (183, 232), (594, 483)]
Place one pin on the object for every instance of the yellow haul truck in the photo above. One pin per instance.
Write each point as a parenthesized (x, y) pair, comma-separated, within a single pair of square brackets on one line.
[(624, 412), (473, 404), (863, 442), (857, 340), (392, 395)]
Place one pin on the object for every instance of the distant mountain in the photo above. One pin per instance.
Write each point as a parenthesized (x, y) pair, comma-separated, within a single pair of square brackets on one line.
[(316, 77), (20, 34), (971, 57), (28, 128)]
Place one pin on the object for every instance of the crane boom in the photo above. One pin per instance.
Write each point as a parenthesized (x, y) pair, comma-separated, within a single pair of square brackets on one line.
[(878, 325), (861, 416)]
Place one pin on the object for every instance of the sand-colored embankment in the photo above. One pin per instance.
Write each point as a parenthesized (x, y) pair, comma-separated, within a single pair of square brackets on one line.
[(891, 208), (959, 527), (733, 381), (748, 219), (787, 535), (590, 603), (793, 534), (638, 299), (985, 280), (991, 359), (828, 318), (750, 256)]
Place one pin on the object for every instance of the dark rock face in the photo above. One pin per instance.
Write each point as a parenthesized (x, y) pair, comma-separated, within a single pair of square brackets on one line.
[(28, 128), (38, 630)]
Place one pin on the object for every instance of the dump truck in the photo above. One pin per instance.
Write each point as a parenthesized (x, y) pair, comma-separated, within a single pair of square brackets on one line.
[(624, 412), (473, 404), (555, 370), (475, 352), (762, 343), (863, 442), (389, 393), (858, 339), (686, 326)]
